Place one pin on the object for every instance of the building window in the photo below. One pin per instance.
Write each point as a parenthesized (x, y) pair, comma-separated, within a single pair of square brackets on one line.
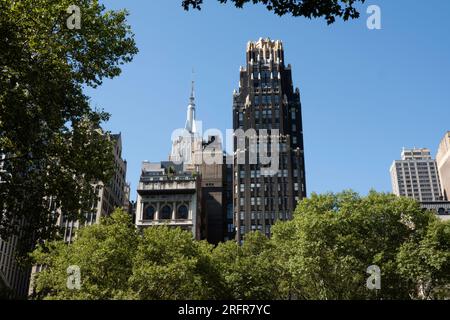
[(149, 213), (166, 213), (277, 99), (182, 212), (230, 211)]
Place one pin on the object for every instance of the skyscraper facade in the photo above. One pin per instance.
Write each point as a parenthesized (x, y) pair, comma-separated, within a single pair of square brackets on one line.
[(217, 198), (416, 176), (266, 99), (443, 163), (14, 278)]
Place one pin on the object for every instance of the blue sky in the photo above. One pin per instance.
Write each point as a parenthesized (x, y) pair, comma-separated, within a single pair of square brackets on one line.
[(365, 93)]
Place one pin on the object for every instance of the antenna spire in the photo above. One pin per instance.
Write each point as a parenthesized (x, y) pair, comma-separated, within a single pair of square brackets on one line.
[(190, 121)]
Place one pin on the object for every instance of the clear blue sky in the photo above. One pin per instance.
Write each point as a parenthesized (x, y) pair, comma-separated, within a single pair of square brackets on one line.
[(365, 94)]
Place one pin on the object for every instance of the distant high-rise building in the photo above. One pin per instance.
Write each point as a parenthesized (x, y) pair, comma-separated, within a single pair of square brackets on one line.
[(443, 164), (169, 192), (416, 176), (187, 143), (266, 99), (193, 190)]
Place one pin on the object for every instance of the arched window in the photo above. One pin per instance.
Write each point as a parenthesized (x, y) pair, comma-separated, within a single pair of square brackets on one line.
[(183, 212), (149, 213), (166, 213)]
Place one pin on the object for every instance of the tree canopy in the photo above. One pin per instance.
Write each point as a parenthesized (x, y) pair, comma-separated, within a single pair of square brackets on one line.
[(323, 253), (51, 136), (330, 10)]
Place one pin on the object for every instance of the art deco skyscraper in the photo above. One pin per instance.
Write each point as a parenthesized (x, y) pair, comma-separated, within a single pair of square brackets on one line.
[(266, 99)]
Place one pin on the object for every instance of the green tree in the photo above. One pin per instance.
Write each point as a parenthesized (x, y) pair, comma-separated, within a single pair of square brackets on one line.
[(104, 253), (54, 146), (249, 271), (323, 253), (427, 263), (171, 265), (333, 239), (328, 9)]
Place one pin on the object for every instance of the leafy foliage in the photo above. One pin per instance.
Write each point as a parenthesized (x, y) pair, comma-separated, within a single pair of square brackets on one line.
[(328, 9), (169, 264), (427, 264), (51, 137), (248, 271), (323, 253), (333, 238), (104, 252)]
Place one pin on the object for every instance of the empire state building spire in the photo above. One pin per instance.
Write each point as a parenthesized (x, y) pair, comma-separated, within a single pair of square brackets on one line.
[(190, 121)]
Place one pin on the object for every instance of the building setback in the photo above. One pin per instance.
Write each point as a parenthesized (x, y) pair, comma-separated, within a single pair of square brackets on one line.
[(443, 164), (266, 99)]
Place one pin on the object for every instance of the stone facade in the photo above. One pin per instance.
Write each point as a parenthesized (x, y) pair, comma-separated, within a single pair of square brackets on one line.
[(168, 196)]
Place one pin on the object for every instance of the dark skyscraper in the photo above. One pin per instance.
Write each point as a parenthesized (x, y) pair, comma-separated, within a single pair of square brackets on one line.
[(266, 99)]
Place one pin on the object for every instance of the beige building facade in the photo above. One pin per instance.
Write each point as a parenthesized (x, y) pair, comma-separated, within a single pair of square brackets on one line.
[(443, 164)]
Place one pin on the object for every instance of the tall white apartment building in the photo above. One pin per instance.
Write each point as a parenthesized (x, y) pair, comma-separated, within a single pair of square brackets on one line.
[(416, 176)]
